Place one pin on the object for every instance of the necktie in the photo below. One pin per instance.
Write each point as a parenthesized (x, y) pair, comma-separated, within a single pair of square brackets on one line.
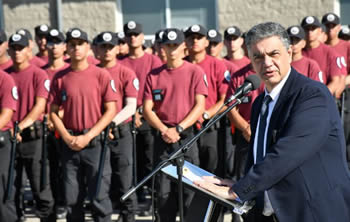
[(260, 145), (262, 127)]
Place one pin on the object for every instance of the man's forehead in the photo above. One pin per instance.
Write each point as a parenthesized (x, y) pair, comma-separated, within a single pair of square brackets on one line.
[(268, 44)]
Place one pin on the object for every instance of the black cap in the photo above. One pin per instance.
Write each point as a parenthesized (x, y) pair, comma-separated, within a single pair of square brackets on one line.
[(232, 31), (42, 30), (3, 36), (196, 29), (296, 31), (214, 36), (159, 36), (121, 36), (55, 36), (76, 33), (310, 20), (109, 38), (18, 39), (330, 18), (173, 36), (344, 33), (132, 28), (25, 32)]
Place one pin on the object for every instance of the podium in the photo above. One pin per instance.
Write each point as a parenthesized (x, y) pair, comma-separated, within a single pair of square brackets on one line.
[(205, 206)]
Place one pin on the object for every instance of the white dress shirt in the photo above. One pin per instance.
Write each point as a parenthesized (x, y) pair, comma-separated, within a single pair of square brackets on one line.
[(275, 93)]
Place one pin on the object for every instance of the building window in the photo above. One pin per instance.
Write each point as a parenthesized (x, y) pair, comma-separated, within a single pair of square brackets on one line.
[(158, 14)]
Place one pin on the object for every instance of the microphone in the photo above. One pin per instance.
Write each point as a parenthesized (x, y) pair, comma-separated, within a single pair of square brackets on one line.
[(252, 82)]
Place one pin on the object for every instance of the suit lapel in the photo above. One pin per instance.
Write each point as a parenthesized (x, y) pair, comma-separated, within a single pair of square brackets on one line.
[(285, 94)]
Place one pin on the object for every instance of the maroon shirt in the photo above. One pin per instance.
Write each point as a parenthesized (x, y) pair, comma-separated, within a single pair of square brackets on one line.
[(6, 65), (142, 67), (240, 63), (215, 72), (309, 68), (8, 95), (32, 82), (44, 58), (236, 81), (51, 73), (126, 83), (328, 60), (37, 62), (178, 89), (343, 48), (81, 95)]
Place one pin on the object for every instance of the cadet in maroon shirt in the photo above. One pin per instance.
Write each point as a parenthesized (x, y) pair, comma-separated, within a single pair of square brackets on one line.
[(344, 33), (5, 61), (33, 89), (123, 46), (226, 143), (159, 51), (121, 146), (215, 72), (141, 63), (41, 33), (33, 59), (174, 99), (56, 47), (8, 105), (332, 22), (87, 95), (328, 60), (302, 64), (234, 43)]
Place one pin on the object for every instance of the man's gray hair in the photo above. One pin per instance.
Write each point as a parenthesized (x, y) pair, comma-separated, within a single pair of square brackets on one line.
[(266, 30)]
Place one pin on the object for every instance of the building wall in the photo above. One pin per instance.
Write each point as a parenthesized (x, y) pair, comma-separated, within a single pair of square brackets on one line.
[(91, 16), (247, 13), (95, 16)]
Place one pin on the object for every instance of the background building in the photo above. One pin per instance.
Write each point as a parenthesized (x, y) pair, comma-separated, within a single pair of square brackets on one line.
[(95, 16)]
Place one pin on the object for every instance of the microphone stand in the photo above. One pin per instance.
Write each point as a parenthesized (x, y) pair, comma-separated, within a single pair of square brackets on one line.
[(178, 156)]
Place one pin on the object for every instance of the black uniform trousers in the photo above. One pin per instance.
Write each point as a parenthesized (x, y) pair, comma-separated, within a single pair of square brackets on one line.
[(29, 158), (208, 148), (145, 146), (122, 169), (56, 173), (8, 208), (80, 169), (166, 190)]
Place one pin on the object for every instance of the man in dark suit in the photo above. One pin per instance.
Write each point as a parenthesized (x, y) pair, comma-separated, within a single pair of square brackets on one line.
[(296, 169)]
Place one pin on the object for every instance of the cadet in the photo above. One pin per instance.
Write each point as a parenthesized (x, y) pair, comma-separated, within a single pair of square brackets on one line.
[(302, 64), (56, 47), (87, 95), (174, 83), (127, 86), (141, 63), (5, 61), (41, 33), (234, 43), (123, 46), (215, 72), (344, 33), (35, 60), (8, 104), (33, 89)]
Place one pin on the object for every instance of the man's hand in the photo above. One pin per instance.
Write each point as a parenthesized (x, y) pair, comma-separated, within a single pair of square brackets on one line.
[(218, 181), (171, 135), (224, 191), (69, 140), (138, 121)]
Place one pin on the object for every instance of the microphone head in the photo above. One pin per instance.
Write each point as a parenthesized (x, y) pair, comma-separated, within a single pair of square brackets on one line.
[(254, 80)]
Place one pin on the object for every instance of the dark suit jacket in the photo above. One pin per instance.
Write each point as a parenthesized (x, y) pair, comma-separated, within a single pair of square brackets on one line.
[(304, 170)]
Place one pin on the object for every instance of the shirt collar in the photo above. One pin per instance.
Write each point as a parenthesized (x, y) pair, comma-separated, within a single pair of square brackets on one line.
[(277, 89)]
